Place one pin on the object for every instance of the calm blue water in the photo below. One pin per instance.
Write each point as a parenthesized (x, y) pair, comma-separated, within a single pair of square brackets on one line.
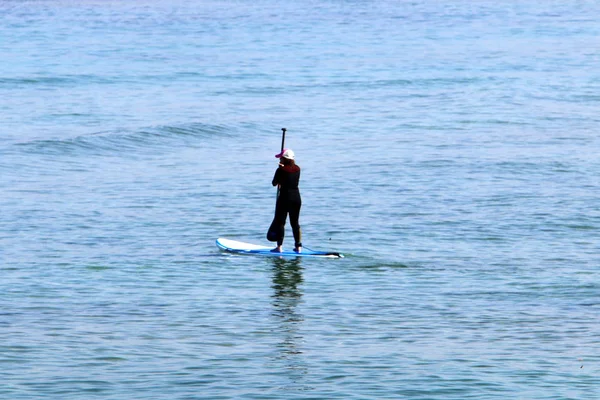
[(449, 149)]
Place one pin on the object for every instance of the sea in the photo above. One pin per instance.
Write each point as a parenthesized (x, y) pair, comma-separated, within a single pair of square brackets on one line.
[(449, 149)]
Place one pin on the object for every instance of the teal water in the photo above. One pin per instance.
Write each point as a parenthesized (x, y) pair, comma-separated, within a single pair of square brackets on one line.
[(449, 150)]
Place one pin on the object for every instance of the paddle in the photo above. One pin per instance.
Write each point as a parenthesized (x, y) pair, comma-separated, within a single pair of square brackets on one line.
[(282, 146), (273, 229)]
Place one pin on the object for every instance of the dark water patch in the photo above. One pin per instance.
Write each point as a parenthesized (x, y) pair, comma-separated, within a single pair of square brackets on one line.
[(353, 85), (99, 267), (12, 82), (582, 227), (358, 261), (83, 80), (110, 359), (382, 265), (491, 122), (433, 83), (57, 81)]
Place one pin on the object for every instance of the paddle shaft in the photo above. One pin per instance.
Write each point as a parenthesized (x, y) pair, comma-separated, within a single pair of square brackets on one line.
[(283, 138), (282, 146)]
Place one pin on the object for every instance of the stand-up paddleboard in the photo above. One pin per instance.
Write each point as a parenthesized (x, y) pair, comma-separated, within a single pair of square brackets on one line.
[(234, 246)]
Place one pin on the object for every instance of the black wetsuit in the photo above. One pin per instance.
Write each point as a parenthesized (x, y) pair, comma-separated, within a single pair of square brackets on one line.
[(288, 202)]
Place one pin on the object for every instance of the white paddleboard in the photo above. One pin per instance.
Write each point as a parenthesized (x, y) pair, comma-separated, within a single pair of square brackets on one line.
[(234, 246)]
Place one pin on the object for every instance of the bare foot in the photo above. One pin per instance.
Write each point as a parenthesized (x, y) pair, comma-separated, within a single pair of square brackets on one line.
[(298, 249), (277, 250)]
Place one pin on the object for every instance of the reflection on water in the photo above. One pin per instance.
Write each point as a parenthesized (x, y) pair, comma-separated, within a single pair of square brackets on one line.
[(287, 286)]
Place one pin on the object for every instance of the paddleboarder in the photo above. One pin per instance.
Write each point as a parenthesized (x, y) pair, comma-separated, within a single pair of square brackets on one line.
[(289, 201)]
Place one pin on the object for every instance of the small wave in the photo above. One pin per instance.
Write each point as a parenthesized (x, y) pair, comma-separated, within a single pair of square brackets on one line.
[(55, 81), (129, 142)]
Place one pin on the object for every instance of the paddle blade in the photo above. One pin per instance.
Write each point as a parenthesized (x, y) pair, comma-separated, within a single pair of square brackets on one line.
[(273, 232)]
